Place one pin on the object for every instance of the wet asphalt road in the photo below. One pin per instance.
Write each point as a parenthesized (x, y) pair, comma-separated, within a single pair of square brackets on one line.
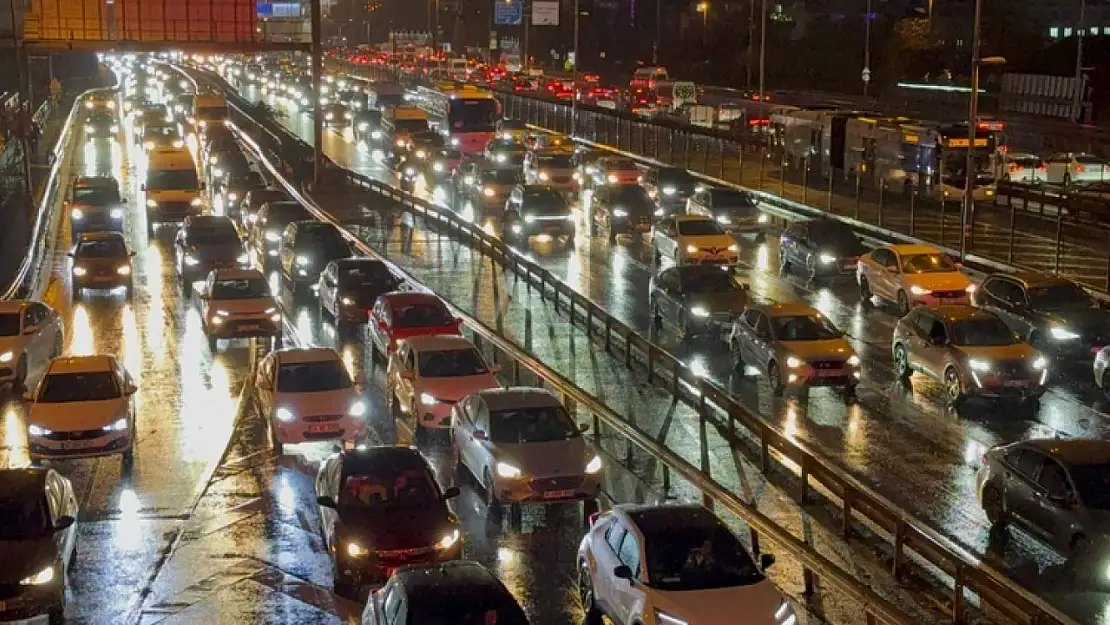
[(902, 442)]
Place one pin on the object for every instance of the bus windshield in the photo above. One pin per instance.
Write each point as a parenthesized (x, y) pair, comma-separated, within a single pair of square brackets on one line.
[(472, 115)]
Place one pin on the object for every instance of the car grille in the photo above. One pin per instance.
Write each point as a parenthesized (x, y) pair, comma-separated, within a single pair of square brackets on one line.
[(950, 294), (320, 418), (400, 557), (713, 250), (565, 482), (827, 364), (1012, 369), (76, 435), (324, 436)]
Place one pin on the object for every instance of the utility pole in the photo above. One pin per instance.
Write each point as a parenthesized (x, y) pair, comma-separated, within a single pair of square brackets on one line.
[(751, 44), (317, 110), (23, 112), (1077, 104), (526, 18), (658, 29), (762, 48), (972, 125), (574, 72), (866, 74)]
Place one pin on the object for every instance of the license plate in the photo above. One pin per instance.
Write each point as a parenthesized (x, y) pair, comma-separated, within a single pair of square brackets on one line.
[(829, 373), (78, 444), (322, 429), (249, 326), (1015, 383), (558, 494), (102, 278)]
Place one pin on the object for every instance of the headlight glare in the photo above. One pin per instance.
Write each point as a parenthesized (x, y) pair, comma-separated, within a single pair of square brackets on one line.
[(699, 311), (119, 426), (35, 430), (1040, 363), (77, 214), (854, 361), (1063, 334), (507, 471), (124, 270), (449, 540), (356, 550), (691, 249), (794, 362), (428, 400), (827, 259), (44, 576), (358, 409), (916, 290), (7, 356), (979, 365), (284, 414), (594, 465)]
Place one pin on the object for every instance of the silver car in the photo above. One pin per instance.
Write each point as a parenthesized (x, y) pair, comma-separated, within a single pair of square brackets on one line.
[(1056, 489), (521, 446)]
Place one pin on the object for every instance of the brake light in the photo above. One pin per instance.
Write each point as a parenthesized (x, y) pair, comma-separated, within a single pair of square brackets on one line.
[(1042, 167), (1079, 169), (1015, 167)]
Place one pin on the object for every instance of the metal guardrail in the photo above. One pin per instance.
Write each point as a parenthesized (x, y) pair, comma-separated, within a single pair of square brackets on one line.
[(909, 540)]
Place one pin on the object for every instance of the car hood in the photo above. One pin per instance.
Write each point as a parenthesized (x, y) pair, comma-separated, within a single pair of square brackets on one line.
[(725, 301), (243, 306), (216, 251), (566, 457), (317, 403), (948, 281), (721, 241), (71, 416), (826, 349), (101, 263), (13, 344), (454, 389), (1088, 322), (395, 528), (365, 296), (718, 606), (1017, 351), (20, 559)]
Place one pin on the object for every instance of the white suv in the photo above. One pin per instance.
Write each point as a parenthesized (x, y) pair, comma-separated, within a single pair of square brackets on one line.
[(672, 564), (30, 335)]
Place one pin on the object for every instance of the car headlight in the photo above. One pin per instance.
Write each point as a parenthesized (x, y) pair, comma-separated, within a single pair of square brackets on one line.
[(594, 465), (1040, 363), (659, 212), (284, 414), (507, 470), (35, 430), (218, 173), (151, 204), (662, 618), (212, 160), (427, 400), (669, 190), (358, 409), (854, 361), (722, 219), (437, 167), (77, 214), (89, 127), (421, 154), (449, 540), (44, 576), (79, 271), (273, 237), (148, 145), (612, 178), (979, 365), (1063, 334), (329, 116), (699, 311), (501, 158), (232, 196), (517, 229), (377, 134), (699, 188), (223, 313), (356, 550), (916, 290), (454, 140), (7, 356), (734, 248), (691, 249), (826, 259), (196, 201), (270, 310), (619, 212), (116, 213), (124, 270), (119, 426), (114, 128), (399, 143), (794, 362), (763, 219), (488, 192), (409, 171), (363, 125), (544, 176), (191, 260), (302, 261)]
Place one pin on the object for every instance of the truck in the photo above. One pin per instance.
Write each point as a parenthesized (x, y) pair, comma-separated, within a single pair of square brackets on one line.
[(173, 189), (209, 109)]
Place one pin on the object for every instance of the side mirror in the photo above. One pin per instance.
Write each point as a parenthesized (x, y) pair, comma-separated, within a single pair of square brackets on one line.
[(63, 523), (28, 396), (623, 572), (766, 561), (958, 265), (451, 492), (326, 501), (131, 389), (479, 435)]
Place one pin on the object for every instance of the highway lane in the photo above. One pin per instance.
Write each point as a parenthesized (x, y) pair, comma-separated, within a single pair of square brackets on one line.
[(903, 443)]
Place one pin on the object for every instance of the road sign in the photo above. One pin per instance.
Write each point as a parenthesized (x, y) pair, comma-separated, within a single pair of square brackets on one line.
[(545, 13), (865, 75), (508, 13)]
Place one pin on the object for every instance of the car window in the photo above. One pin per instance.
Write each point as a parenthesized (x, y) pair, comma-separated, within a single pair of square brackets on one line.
[(310, 377), (534, 424), (614, 535), (450, 363), (400, 488), (422, 315), (751, 317), (248, 288), (102, 248), (1004, 290), (75, 387), (938, 333), (762, 328), (629, 553), (1025, 461), (883, 257), (1053, 478)]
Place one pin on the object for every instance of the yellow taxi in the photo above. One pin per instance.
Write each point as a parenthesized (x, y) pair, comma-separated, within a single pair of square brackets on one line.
[(693, 239)]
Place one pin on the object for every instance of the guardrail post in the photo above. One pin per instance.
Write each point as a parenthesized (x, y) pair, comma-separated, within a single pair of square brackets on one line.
[(804, 499), (1059, 236), (913, 205), (608, 332), (703, 442), (721, 151), (753, 536), (589, 320), (764, 450), (740, 164), (829, 195), (882, 188), (597, 429), (670, 145), (528, 329), (958, 595), (1013, 220), (705, 155), (686, 150), (762, 160), (666, 481), (943, 218), (782, 175), (805, 179), (516, 372), (675, 378), (899, 543), (846, 520), (809, 578)]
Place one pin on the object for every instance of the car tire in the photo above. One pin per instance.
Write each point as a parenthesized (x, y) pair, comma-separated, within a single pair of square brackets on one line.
[(903, 303), (591, 613), (774, 378), (902, 369), (865, 295), (994, 508), (953, 388)]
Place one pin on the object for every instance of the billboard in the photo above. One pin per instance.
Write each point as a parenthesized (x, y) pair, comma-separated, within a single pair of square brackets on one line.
[(508, 13), (73, 20), (126, 21), (545, 13)]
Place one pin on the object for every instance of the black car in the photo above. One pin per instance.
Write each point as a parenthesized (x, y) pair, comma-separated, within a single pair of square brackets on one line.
[(669, 187), (306, 249), (1054, 314), (337, 116), (819, 248), (461, 592), (265, 237), (204, 243), (368, 125), (536, 210), (217, 138), (381, 508), (698, 299), (505, 152), (235, 188), (253, 200), (101, 124), (736, 211), (95, 205), (622, 209), (349, 287), (424, 145), (38, 543), (101, 260)]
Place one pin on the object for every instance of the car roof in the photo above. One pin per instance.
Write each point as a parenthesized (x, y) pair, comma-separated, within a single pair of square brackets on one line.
[(382, 458), (238, 274), (401, 298), (518, 397), (445, 576), (87, 363), (438, 343), (957, 312), (208, 221), (791, 308), (1032, 278), (914, 248), (299, 355), (1074, 451), (682, 218), (649, 519)]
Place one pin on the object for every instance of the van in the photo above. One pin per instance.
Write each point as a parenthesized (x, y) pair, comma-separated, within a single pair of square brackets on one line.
[(173, 189)]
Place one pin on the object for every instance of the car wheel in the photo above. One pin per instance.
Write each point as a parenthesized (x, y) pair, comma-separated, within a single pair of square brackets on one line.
[(865, 294), (993, 508), (953, 389), (592, 614), (902, 368), (774, 378), (903, 303)]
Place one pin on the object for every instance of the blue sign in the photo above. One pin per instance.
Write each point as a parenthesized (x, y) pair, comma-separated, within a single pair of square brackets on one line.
[(508, 13), (265, 9)]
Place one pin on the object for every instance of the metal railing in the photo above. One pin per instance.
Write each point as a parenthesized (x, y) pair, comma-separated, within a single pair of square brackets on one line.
[(908, 540)]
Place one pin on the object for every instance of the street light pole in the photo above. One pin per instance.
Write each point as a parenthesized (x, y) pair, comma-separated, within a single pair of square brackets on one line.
[(703, 8), (574, 74), (972, 125), (1077, 114), (762, 47), (867, 49), (658, 29)]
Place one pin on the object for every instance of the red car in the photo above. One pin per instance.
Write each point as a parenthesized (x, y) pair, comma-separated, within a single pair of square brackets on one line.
[(404, 314)]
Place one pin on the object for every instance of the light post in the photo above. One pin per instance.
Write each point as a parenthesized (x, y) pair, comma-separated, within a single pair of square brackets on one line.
[(1078, 98), (703, 8), (972, 127), (574, 74), (762, 47), (866, 73)]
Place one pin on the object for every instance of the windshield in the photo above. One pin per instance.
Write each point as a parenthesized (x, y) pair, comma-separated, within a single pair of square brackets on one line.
[(376, 274), (981, 331), (1088, 159), (834, 237), (506, 145), (422, 315), (281, 215), (560, 161), (710, 282), (60, 388), (723, 198), (698, 558), (631, 194), (102, 248), (9, 324), (325, 240), (549, 202), (472, 115), (95, 196), (312, 377), (620, 164), (453, 363), (1092, 481), (262, 196), (927, 263), (463, 605), (538, 424), (677, 177), (213, 235), (699, 227), (247, 179), (249, 288), (513, 124), (25, 516), (172, 179), (1061, 296), (803, 328), (503, 176), (401, 487), (212, 112)]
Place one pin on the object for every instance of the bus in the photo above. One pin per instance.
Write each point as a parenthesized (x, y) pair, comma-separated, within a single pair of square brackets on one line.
[(209, 109), (467, 116)]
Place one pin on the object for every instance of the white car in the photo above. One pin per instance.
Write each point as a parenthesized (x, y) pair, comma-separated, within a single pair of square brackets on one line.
[(1078, 167), (693, 239), (31, 333), (672, 564), (238, 303), (307, 395), (82, 408), (428, 375), (522, 447), (1022, 167)]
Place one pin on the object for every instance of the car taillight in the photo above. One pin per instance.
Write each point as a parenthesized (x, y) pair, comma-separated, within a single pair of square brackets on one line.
[(1042, 167), (1015, 167), (1079, 169)]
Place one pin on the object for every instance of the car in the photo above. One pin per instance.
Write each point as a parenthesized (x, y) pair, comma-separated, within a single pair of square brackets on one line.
[(584, 160), (1055, 489), (669, 187), (31, 334), (796, 346), (693, 239), (224, 163), (971, 352), (674, 563), (83, 407), (521, 446), (621, 209), (237, 303), (614, 170), (149, 114), (39, 543), (423, 145), (253, 200), (512, 129), (307, 246), (204, 243), (1021, 167), (306, 395), (95, 205), (505, 152), (428, 375), (736, 211), (404, 314), (699, 300), (448, 592), (265, 237), (337, 116), (101, 260), (1055, 315), (102, 100), (368, 126), (819, 248), (1075, 167), (485, 185), (101, 124), (348, 288), (381, 508), (551, 167), (161, 135), (912, 275), (537, 211), (235, 189)]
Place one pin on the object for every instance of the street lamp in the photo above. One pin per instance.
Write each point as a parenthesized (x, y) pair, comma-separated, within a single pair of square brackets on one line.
[(972, 127), (703, 8)]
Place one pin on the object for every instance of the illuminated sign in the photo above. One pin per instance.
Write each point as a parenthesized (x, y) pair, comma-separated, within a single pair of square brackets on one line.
[(911, 138), (963, 143)]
